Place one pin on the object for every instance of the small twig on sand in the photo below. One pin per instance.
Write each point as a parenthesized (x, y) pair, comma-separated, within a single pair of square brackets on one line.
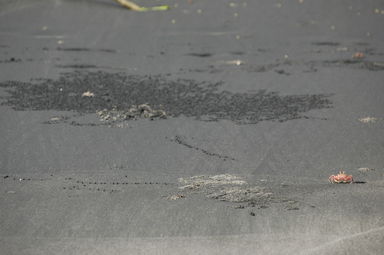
[(129, 5), (135, 7)]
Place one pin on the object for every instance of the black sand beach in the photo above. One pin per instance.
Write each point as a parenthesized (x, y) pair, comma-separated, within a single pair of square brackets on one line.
[(209, 128)]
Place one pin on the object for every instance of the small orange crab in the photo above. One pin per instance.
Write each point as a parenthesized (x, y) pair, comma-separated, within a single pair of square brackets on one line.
[(358, 55), (342, 177)]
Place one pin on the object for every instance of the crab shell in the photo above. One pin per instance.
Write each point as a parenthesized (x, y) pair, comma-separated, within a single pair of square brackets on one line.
[(342, 177)]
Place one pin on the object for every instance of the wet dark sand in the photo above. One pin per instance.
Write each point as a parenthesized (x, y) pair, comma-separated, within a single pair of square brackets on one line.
[(267, 93)]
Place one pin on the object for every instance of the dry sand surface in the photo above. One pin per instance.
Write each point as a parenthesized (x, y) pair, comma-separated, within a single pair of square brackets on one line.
[(209, 128)]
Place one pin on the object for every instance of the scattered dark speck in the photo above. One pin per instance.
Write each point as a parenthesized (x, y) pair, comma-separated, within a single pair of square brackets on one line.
[(181, 141), (77, 66), (252, 214), (11, 60), (201, 55), (282, 71), (85, 49), (5, 177)]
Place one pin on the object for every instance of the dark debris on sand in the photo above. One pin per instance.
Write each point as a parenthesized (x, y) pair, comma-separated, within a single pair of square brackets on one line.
[(119, 91)]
